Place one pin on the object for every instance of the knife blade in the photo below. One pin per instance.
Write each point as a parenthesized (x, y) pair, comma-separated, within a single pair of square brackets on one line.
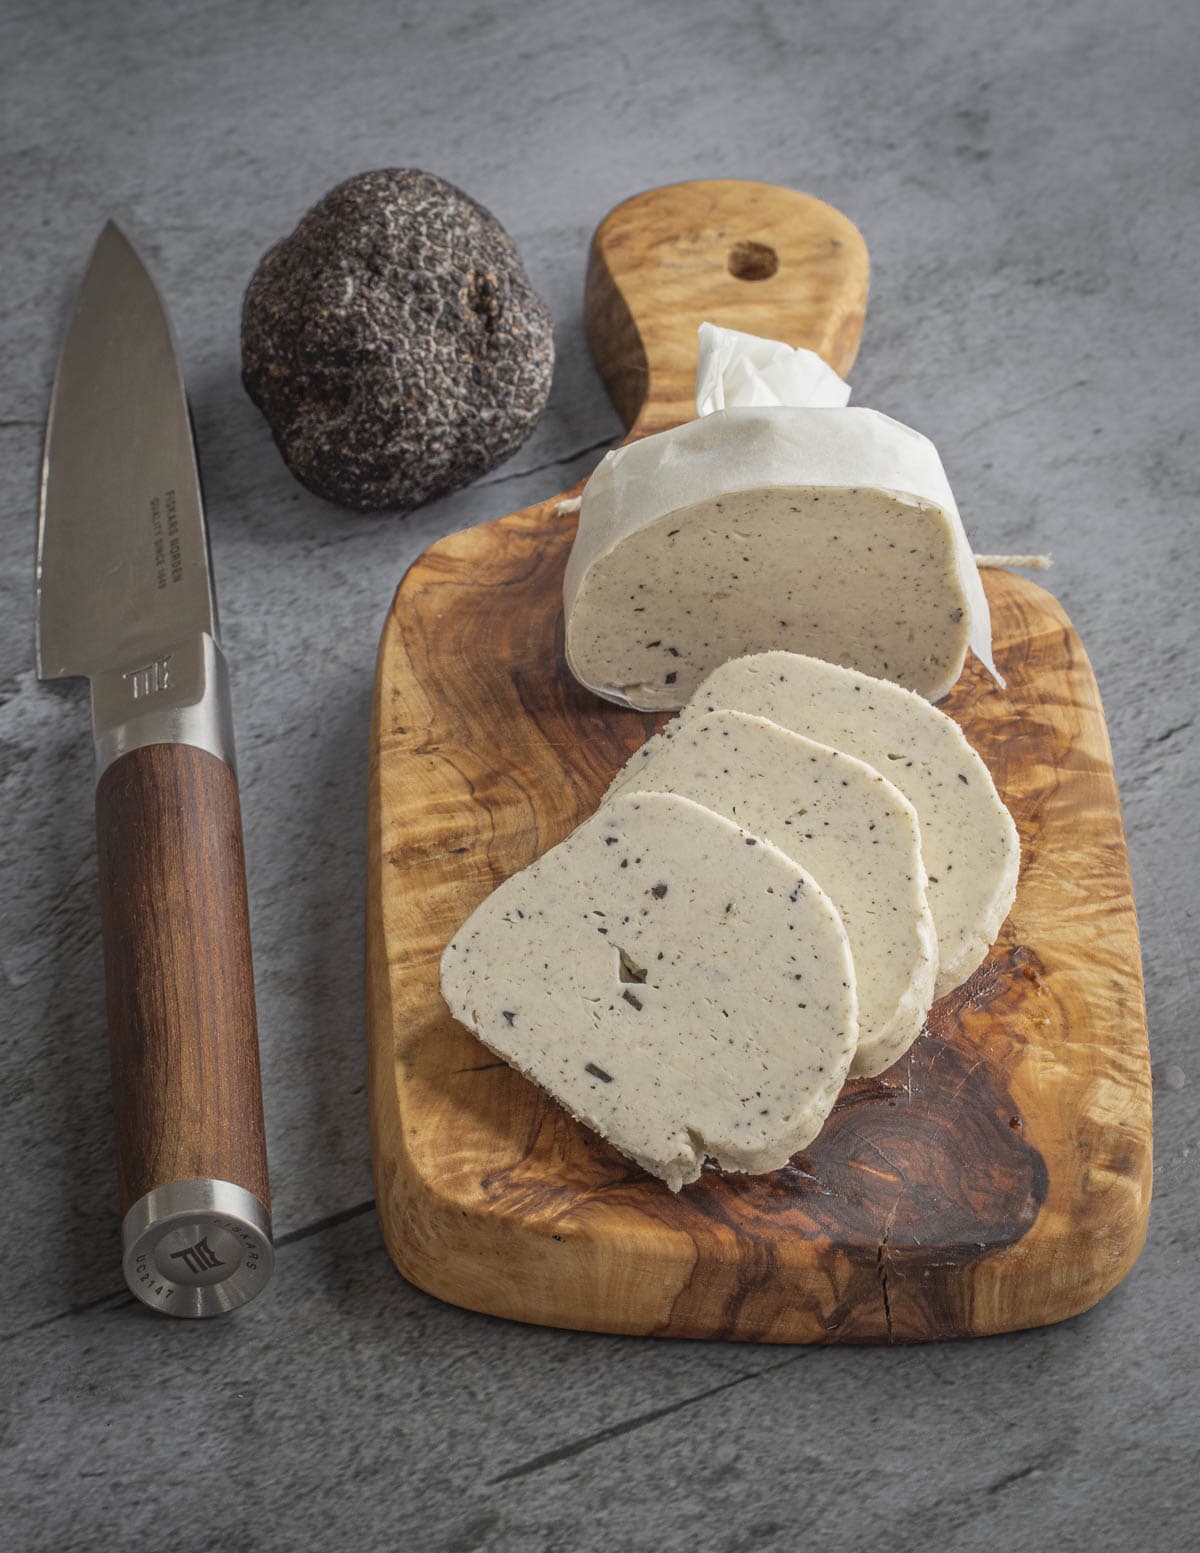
[(125, 597)]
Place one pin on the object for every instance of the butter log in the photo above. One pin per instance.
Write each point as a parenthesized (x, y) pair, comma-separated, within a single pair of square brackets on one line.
[(829, 532)]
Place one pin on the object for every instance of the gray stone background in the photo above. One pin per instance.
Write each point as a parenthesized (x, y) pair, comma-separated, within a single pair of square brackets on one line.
[(1025, 175)]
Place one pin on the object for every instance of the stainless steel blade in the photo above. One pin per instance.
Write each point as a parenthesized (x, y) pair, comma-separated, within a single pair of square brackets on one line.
[(122, 570)]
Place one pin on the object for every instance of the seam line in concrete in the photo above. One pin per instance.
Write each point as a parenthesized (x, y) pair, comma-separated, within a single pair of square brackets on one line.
[(627, 1426)]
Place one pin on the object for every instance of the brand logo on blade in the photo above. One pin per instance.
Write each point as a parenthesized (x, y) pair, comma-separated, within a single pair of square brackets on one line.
[(199, 1258), (149, 679)]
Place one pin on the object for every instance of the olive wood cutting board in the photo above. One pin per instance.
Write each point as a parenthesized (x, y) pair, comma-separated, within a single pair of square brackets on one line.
[(997, 1177)]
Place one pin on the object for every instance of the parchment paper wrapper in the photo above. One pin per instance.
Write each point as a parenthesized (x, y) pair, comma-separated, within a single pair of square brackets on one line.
[(763, 437)]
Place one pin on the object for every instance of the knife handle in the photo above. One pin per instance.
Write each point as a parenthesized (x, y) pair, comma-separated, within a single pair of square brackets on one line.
[(187, 1093)]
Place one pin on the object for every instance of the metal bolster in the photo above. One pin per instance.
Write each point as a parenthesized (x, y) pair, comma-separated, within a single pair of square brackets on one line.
[(179, 697)]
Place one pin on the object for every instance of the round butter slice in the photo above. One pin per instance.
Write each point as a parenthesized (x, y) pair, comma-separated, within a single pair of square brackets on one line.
[(848, 826), (679, 985), (968, 840), (831, 532)]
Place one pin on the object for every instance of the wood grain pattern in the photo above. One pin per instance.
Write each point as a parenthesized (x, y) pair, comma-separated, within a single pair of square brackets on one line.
[(181, 1020), (997, 1178), (667, 260)]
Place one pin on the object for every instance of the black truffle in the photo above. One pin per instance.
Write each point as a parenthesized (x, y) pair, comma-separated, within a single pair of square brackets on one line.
[(394, 342)]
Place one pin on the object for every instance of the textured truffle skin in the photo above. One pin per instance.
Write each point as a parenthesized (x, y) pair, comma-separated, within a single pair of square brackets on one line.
[(394, 343)]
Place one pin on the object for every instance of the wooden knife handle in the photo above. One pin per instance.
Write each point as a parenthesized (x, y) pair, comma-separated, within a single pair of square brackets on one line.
[(182, 1031), (750, 256)]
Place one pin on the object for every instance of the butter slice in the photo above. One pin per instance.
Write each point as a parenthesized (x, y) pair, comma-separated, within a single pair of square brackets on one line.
[(969, 843), (825, 531), (679, 985), (848, 826)]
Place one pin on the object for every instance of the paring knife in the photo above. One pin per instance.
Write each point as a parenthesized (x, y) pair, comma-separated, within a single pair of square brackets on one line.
[(125, 597)]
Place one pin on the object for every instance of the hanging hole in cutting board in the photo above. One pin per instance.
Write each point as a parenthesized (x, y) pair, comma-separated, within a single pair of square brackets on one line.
[(752, 261)]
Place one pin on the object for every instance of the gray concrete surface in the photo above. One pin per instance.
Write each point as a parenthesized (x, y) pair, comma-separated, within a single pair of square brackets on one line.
[(1026, 178)]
